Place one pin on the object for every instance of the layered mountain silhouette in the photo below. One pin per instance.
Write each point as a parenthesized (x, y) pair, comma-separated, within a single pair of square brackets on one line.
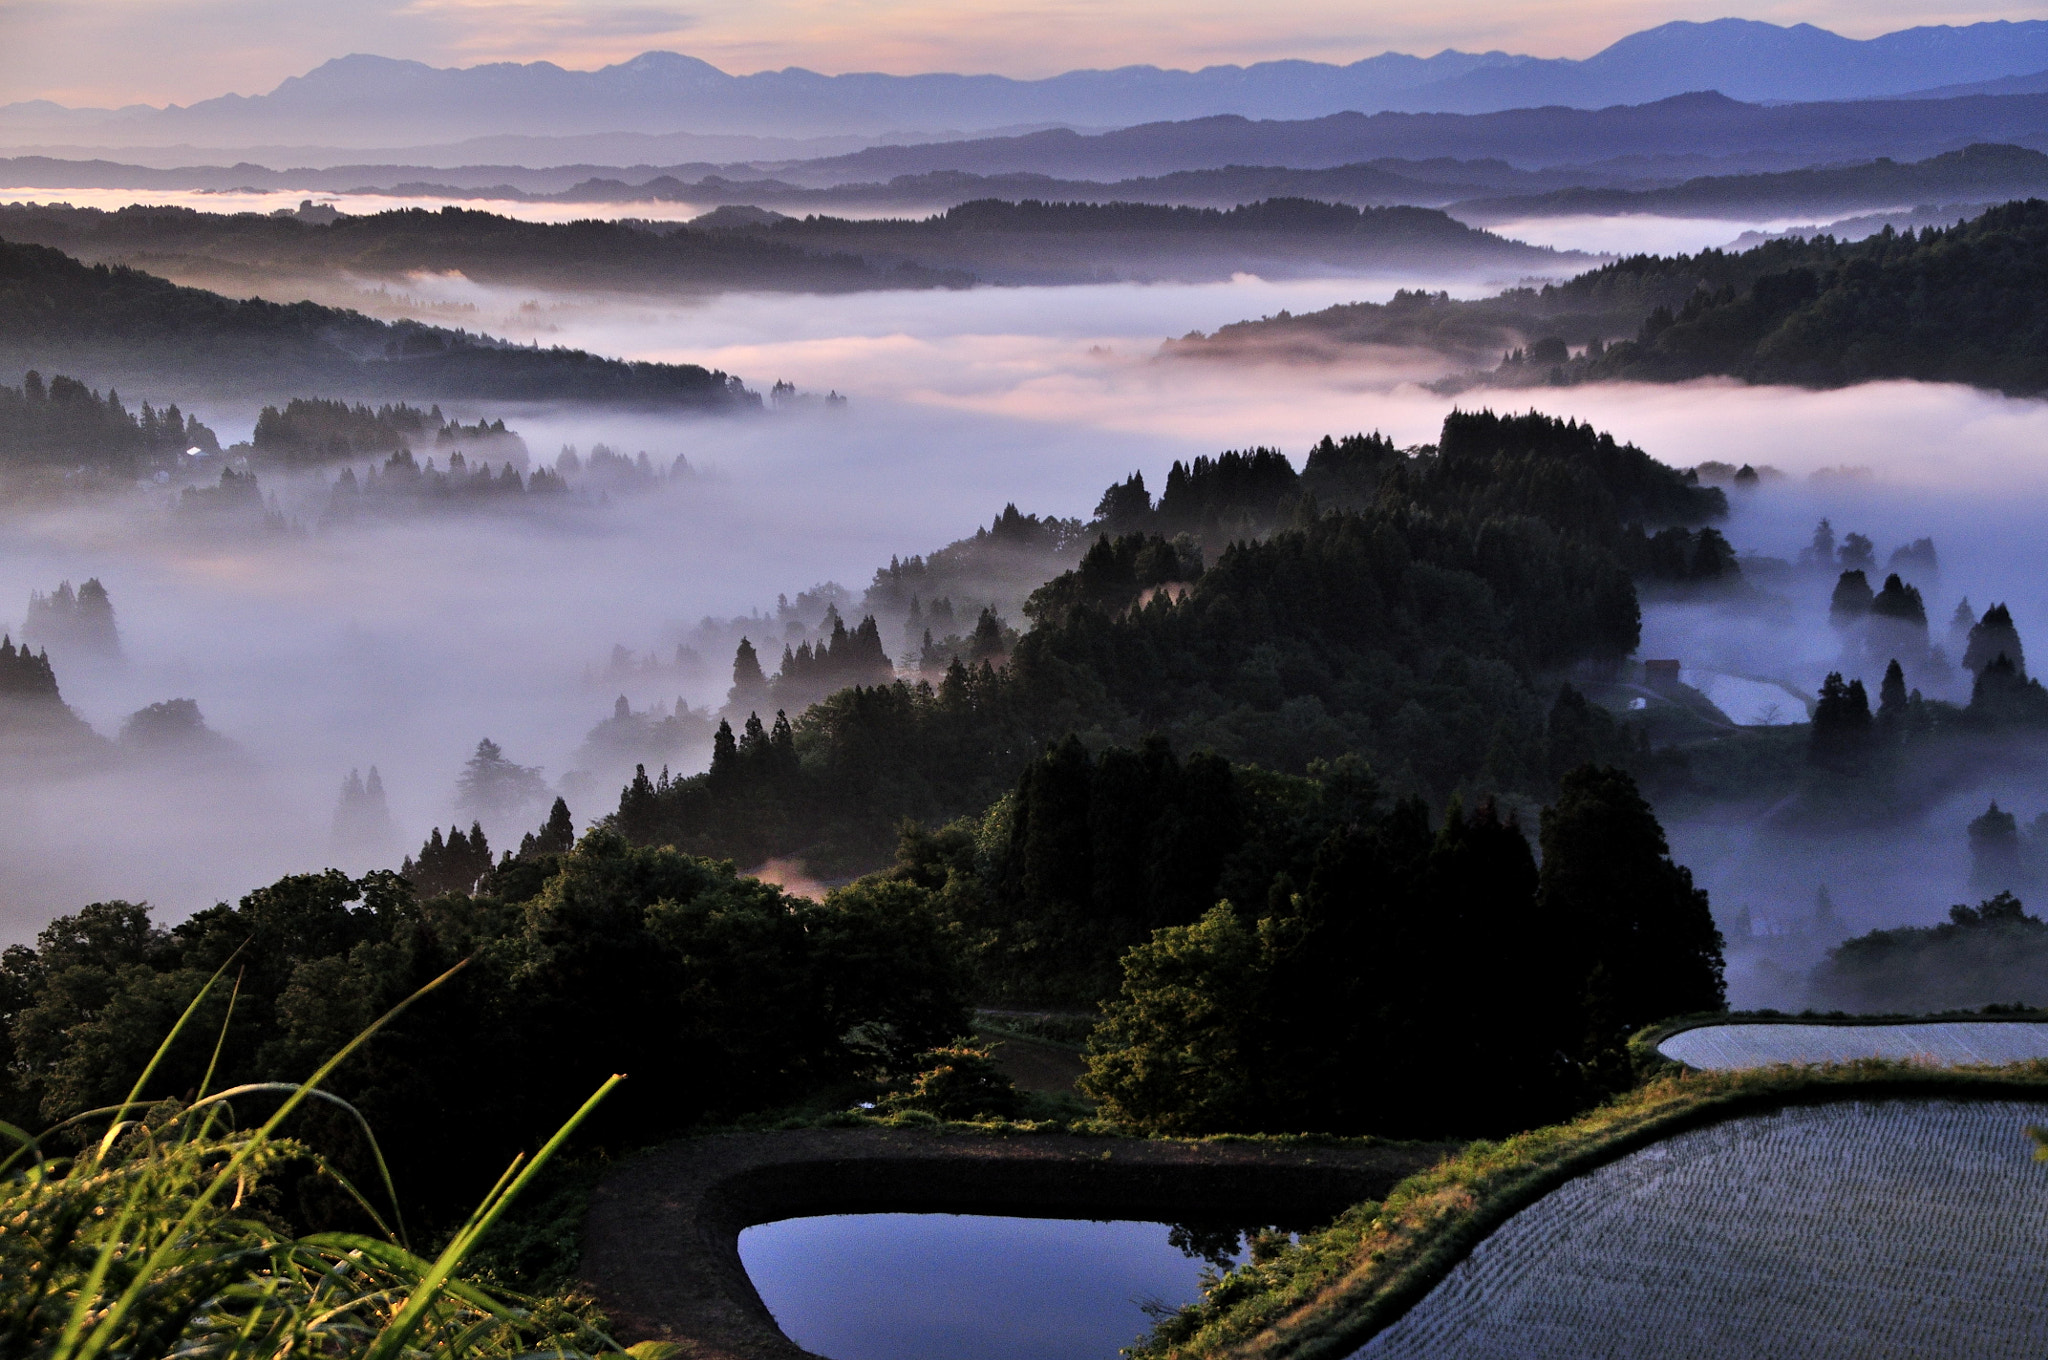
[(372, 100)]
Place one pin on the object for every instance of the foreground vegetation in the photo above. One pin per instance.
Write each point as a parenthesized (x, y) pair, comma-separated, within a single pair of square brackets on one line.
[(1327, 1294), (719, 994), (148, 1228)]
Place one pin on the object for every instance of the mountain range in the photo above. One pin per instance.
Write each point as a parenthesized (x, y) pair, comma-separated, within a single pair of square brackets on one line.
[(364, 100), (1225, 160)]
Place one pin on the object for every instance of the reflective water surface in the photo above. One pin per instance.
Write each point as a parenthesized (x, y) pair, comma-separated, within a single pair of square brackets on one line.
[(967, 1287)]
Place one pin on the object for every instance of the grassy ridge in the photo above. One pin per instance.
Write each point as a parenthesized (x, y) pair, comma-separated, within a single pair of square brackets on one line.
[(1326, 1295)]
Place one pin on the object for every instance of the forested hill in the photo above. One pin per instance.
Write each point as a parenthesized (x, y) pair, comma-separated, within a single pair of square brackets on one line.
[(991, 240), (118, 324), (246, 248), (1983, 173), (1968, 304), (1033, 241), (1416, 608)]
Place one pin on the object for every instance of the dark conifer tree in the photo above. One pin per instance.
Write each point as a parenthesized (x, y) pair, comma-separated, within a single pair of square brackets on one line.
[(1840, 740), (557, 836), (1901, 602), (1635, 934), (1995, 851), (2002, 696), (749, 685), (1851, 600), (1892, 700), (1994, 636), (725, 754)]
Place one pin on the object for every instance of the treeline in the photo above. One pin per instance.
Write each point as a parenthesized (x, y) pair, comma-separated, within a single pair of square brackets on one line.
[(403, 486), (1964, 304), (1872, 745), (1968, 304), (1392, 225), (53, 309), (311, 430), (487, 247), (67, 424), (718, 994), (1994, 949), (1416, 631)]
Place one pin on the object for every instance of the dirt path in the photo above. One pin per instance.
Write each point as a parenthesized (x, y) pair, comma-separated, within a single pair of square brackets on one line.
[(661, 1243)]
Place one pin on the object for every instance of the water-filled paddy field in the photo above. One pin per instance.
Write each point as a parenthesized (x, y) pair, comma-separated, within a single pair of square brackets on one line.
[(1887, 1228), (1947, 1043), (965, 1287)]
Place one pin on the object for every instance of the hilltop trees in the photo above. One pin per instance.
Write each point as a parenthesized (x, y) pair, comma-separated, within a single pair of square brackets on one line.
[(492, 785), (1991, 637), (66, 423), (719, 994), (79, 624), (1840, 740), (450, 866), (362, 817), (1420, 982), (1956, 305), (1409, 631)]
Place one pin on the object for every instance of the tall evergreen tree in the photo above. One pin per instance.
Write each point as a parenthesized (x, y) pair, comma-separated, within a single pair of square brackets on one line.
[(1851, 600), (1995, 850), (749, 685), (1636, 936), (1840, 739), (1994, 636)]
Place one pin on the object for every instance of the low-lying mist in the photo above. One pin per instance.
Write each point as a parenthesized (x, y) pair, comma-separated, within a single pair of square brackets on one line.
[(328, 648)]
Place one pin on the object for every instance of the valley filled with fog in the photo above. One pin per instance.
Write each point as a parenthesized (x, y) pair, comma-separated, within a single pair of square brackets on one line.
[(324, 647)]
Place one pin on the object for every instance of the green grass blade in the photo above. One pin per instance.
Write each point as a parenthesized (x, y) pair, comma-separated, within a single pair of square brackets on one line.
[(116, 1316), (221, 1040), (156, 1058), (394, 1336)]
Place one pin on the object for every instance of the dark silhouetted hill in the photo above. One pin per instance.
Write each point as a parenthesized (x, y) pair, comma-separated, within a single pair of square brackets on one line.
[(111, 324)]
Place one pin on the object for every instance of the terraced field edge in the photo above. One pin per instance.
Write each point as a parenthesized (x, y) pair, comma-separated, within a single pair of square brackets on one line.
[(1645, 1041), (1323, 1297)]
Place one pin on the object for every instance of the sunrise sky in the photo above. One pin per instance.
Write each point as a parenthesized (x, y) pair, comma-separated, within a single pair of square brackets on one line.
[(112, 52)]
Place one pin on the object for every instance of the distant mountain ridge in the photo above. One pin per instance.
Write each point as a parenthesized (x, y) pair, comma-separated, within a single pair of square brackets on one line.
[(1379, 158), (373, 100)]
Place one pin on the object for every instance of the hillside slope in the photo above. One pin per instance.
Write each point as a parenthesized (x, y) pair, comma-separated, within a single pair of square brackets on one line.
[(117, 324)]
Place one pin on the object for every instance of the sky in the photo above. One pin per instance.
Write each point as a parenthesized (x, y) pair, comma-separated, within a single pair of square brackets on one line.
[(113, 52)]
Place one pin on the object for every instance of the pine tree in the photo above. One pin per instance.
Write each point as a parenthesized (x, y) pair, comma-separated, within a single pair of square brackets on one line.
[(725, 754), (1995, 850), (1892, 699), (1637, 936), (557, 835), (1851, 600), (491, 785), (1994, 636), (749, 685), (1821, 551), (1840, 740)]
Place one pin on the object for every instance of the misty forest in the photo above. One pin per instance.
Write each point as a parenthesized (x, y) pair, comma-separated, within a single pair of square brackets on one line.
[(975, 715)]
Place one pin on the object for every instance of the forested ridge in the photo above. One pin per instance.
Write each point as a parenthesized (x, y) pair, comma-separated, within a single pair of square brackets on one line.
[(487, 247), (64, 423), (1966, 304), (122, 323), (1414, 609)]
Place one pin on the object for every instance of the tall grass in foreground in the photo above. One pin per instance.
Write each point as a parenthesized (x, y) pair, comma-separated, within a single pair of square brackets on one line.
[(146, 1239)]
